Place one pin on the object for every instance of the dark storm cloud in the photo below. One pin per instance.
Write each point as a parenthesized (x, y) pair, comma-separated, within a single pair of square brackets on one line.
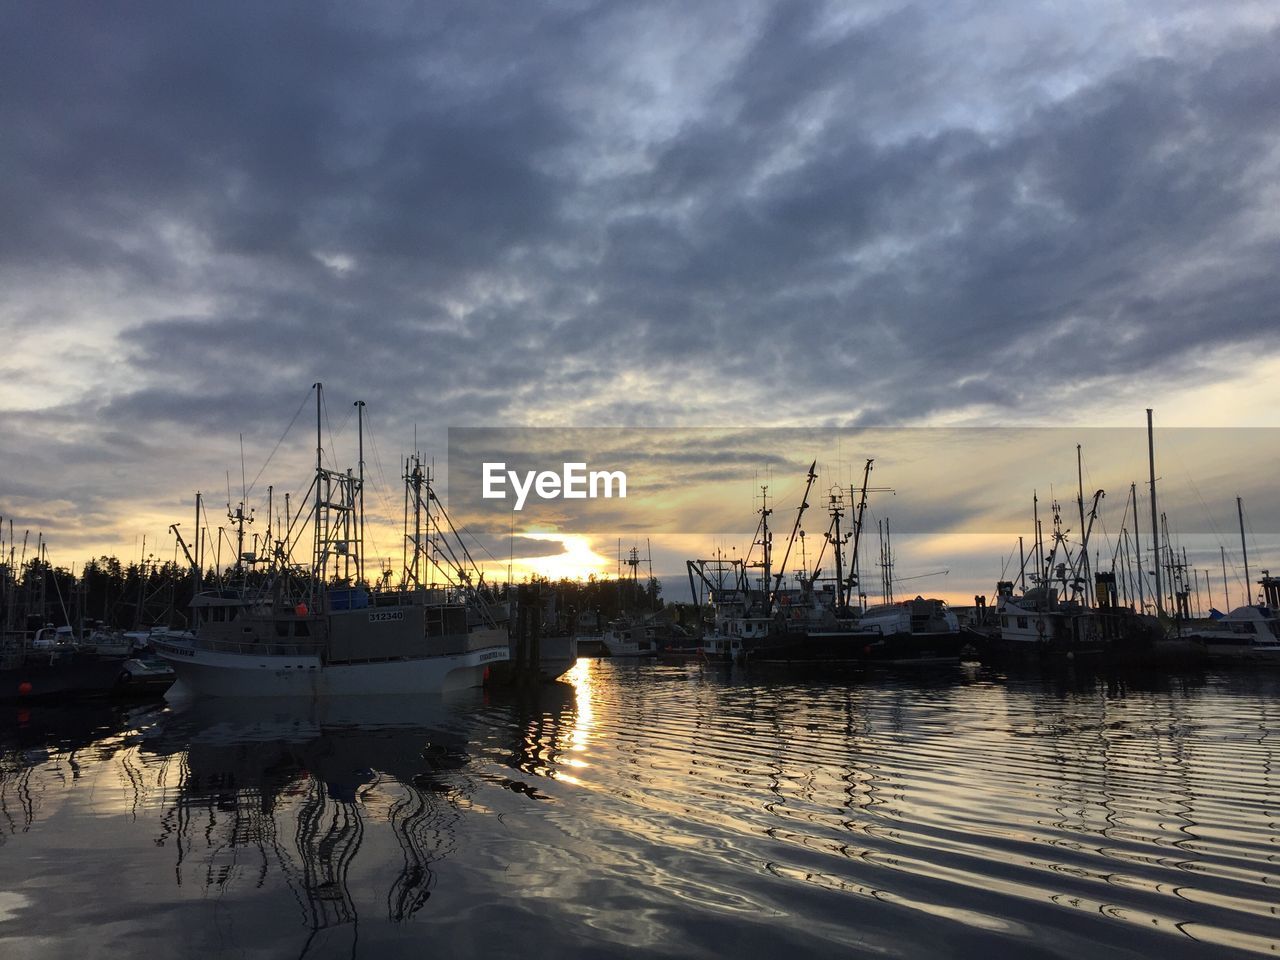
[(468, 213)]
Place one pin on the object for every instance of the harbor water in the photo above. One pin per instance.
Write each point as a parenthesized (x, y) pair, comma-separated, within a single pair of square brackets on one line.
[(658, 811)]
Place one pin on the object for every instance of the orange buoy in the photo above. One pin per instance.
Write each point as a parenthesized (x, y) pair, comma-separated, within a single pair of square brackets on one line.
[(25, 688), (300, 609)]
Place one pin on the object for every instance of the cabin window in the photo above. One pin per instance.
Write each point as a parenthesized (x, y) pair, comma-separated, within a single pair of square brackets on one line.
[(301, 629), (282, 628), (1004, 621), (1022, 623)]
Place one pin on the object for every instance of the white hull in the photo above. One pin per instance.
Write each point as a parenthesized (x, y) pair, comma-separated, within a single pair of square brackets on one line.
[(212, 673)]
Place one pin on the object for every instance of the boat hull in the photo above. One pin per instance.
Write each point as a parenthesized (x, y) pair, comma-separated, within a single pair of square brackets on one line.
[(212, 673), (861, 647)]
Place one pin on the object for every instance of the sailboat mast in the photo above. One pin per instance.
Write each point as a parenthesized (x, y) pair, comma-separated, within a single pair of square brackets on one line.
[(1155, 517), (1137, 548), (1226, 584), (1244, 551)]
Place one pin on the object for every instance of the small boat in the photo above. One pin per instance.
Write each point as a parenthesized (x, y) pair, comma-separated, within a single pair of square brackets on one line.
[(629, 638), (48, 665), (1247, 635)]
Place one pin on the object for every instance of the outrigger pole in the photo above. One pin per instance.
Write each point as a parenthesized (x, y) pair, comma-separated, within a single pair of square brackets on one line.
[(804, 502)]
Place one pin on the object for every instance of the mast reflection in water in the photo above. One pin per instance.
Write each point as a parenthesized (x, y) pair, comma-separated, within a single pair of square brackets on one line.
[(661, 811), (265, 790)]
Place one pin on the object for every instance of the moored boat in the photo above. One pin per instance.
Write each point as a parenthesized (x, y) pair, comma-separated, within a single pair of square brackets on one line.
[(1249, 634), (282, 632)]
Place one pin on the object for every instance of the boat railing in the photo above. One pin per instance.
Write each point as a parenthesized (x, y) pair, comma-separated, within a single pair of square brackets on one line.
[(262, 648)]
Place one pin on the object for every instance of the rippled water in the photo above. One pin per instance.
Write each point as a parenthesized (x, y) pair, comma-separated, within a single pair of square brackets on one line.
[(658, 810)]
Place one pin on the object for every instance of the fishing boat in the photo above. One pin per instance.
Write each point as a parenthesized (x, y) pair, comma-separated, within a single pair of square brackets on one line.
[(317, 632), (917, 629), (629, 638)]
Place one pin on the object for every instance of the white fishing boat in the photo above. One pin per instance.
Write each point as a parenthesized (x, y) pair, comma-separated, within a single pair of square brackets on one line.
[(285, 632), (627, 638), (1246, 634), (244, 648)]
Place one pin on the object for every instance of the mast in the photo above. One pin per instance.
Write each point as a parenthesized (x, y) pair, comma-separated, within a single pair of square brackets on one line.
[(1137, 548), (838, 544), (1155, 517), (1084, 552), (360, 519), (1226, 584), (1035, 519), (318, 535), (766, 542), (888, 561), (857, 534), (197, 572), (1022, 566), (804, 503), (1244, 550)]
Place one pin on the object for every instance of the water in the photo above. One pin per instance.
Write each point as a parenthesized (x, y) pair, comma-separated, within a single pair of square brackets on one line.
[(658, 811)]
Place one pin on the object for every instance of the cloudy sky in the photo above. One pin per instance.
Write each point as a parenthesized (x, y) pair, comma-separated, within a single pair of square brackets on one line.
[(744, 213)]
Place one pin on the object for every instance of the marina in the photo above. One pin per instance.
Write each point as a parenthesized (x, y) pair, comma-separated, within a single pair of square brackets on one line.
[(750, 481)]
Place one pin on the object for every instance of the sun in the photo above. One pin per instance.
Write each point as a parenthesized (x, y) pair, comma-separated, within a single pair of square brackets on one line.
[(576, 561)]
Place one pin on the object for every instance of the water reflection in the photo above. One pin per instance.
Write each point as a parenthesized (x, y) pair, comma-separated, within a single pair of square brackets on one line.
[(292, 791), (665, 809)]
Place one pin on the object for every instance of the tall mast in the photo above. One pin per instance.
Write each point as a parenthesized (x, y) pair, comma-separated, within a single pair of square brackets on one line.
[(888, 560), (1155, 517), (1084, 551), (857, 534), (836, 514), (318, 535), (360, 520), (1035, 519), (766, 541), (1137, 548), (1244, 550), (198, 573)]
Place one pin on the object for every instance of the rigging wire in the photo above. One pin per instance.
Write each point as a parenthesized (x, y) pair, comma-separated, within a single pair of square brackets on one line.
[(274, 449)]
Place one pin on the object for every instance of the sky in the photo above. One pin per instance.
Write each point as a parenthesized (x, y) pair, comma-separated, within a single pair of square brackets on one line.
[(625, 214)]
